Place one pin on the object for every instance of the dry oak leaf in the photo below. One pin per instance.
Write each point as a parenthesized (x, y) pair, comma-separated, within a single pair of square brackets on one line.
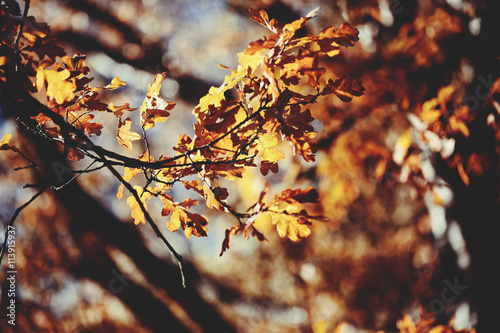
[(290, 219), (125, 136), (137, 212), (309, 194), (216, 94), (154, 108), (344, 89), (289, 225), (129, 174), (214, 197), (118, 110), (115, 84), (301, 65), (269, 155), (58, 87), (290, 29), (262, 18), (227, 239), (237, 229), (191, 223)]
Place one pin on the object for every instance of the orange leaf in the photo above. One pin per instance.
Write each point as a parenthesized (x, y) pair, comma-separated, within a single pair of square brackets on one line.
[(118, 110)]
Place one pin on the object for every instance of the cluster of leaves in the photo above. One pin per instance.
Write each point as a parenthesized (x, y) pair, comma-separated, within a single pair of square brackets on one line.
[(238, 125), (436, 126)]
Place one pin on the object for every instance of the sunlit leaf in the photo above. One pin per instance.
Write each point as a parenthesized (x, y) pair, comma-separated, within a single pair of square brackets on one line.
[(125, 136), (137, 213), (115, 84), (58, 87)]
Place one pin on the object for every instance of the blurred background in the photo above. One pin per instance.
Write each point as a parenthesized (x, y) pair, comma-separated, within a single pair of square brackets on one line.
[(388, 249)]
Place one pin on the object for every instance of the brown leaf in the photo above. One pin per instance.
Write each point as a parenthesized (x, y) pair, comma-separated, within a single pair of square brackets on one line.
[(344, 89)]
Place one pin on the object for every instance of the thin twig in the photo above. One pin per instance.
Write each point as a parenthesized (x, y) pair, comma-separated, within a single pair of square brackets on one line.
[(21, 26), (148, 217), (14, 217), (57, 188)]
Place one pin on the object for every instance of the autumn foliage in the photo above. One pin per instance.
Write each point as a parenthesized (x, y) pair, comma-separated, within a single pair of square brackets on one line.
[(231, 134), (267, 104)]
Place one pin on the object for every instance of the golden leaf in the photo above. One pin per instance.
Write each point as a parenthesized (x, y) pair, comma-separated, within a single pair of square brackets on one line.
[(129, 173), (115, 84), (288, 225), (58, 87), (137, 212), (214, 197), (154, 108), (269, 155), (125, 136), (216, 95), (5, 142)]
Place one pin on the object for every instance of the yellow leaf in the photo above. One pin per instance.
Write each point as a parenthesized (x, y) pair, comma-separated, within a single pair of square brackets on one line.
[(288, 226), (5, 140), (154, 88), (445, 94), (211, 199), (58, 87), (175, 221), (458, 125), (216, 95), (129, 173), (4, 60), (191, 223), (137, 213), (154, 108), (4, 144), (249, 62), (118, 110), (116, 83), (125, 136), (265, 146)]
